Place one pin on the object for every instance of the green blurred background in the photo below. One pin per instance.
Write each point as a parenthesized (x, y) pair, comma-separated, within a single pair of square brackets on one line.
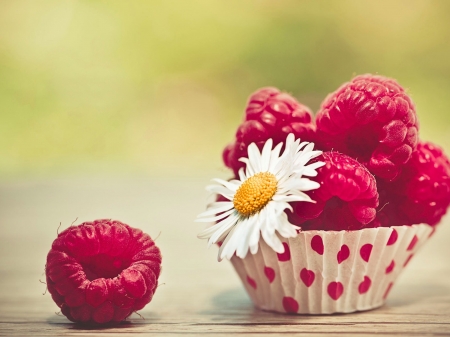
[(158, 87)]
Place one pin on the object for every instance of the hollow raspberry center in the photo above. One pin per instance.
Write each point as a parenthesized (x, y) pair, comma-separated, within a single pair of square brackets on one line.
[(103, 266), (255, 193)]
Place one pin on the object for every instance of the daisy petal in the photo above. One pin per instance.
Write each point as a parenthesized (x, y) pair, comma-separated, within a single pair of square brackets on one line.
[(225, 247), (216, 208), (224, 226), (308, 185), (265, 156), (231, 185), (217, 189), (242, 175), (216, 217), (254, 158), (244, 234), (274, 156), (288, 198)]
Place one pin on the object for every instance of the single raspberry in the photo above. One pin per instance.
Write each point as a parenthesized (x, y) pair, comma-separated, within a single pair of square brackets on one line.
[(100, 272), (269, 114), (346, 199), (421, 194), (371, 119)]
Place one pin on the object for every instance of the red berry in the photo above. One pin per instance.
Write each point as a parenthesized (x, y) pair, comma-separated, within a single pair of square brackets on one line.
[(101, 271), (373, 120), (269, 114), (346, 199), (421, 194), (388, 213)]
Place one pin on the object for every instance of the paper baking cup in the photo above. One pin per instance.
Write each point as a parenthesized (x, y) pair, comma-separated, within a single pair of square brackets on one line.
[(325, 272)]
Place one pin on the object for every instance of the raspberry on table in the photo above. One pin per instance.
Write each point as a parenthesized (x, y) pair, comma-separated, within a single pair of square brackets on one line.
[(102, 271), (346, 199), (372, 119), (421, 194), (269, 114)]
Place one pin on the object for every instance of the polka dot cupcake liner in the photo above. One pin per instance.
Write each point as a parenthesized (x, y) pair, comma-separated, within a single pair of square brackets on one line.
[(325, 272)]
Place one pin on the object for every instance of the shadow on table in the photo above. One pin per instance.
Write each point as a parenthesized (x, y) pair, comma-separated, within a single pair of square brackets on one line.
[(230, 302), (63, 322), (235, 307), (236, 302), (235, 299)]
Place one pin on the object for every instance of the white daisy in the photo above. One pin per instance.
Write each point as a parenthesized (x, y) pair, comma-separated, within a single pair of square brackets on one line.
[(257, 201)]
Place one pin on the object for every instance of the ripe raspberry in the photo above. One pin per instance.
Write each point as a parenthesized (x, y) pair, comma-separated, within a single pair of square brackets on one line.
[(100, 272), (269, 114), (421, 194), (371, 119), (346, 199), (388, 211)]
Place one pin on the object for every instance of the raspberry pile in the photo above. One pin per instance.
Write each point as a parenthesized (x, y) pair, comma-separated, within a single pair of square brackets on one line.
[(102, 271), (376, 171)]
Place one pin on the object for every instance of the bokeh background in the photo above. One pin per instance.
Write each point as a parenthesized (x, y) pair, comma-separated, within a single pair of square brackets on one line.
[(158, 87)]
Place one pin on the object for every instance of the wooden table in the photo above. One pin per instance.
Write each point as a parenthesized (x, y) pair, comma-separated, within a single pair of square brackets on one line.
[(198, 295)]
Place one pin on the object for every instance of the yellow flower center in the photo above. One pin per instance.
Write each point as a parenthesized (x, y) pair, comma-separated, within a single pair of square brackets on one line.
[(255, 193)]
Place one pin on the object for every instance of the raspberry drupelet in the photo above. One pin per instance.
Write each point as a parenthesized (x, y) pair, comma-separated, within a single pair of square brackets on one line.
[(102, 271), (346, 200), (373, 120), (269, 114)]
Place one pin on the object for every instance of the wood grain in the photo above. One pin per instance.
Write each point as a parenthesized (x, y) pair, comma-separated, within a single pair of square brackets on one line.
[(198, 295)]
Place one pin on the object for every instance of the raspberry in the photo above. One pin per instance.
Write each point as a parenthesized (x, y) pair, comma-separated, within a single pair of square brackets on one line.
[(421, 194), (269, 114), (100, 272), (371, 119), (388, 213), (346, 199)]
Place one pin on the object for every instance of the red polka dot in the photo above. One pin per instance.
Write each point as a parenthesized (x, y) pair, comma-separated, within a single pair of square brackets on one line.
[(290, 305), (270, 274), (407, 260), (307, 276), (413, 242), (364, 286), (335, 290), (343, 254), (388, 289), (365, 251), (317, 244), (393, 238), (390, 268), (286, 255), (251, 282)]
